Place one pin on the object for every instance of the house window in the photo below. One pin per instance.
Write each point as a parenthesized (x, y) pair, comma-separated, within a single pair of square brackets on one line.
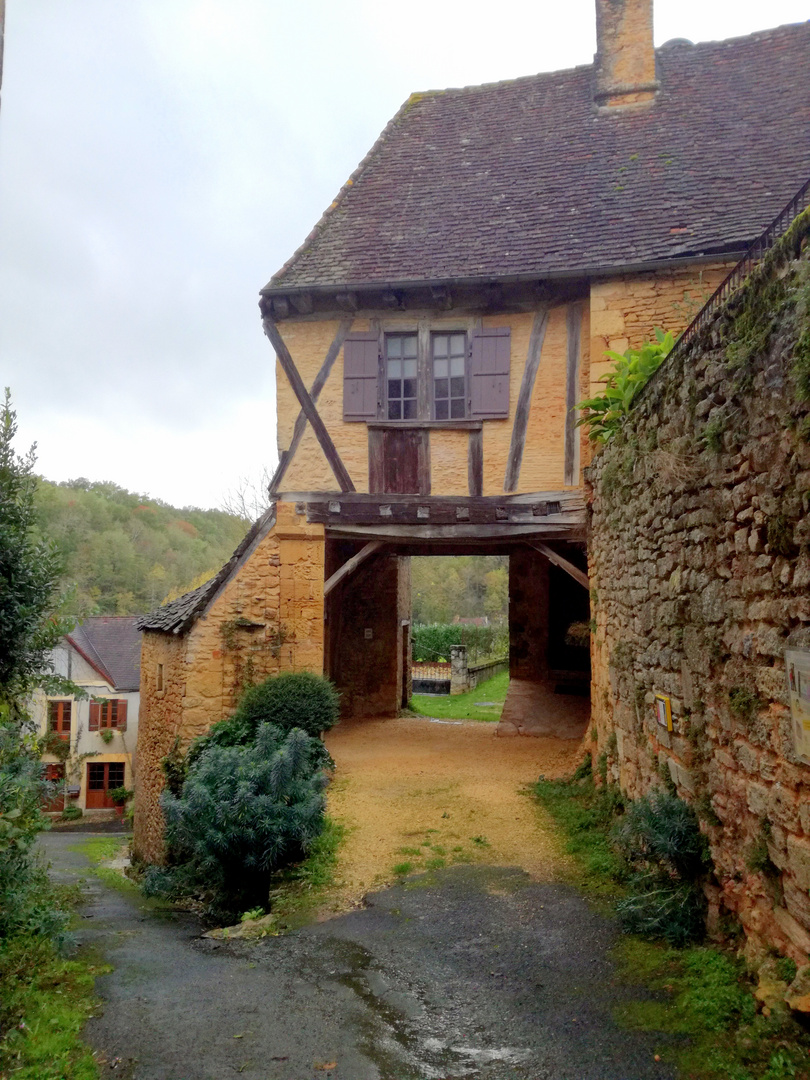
[(401, 375), (453, 376), (159, 679), (59, 719), (109, 714), (449, 362)]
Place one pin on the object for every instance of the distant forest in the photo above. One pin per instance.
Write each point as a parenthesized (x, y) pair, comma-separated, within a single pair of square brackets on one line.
[(468, 586), (125, 553)]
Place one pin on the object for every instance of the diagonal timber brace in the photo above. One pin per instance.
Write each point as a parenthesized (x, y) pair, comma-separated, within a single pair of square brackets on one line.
[(351, 565), (564, 564), (314, 393), (308, 405)]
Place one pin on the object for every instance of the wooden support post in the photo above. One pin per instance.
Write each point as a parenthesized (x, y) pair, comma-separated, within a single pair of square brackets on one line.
[(521, 422), (351, 565), (564, 564)]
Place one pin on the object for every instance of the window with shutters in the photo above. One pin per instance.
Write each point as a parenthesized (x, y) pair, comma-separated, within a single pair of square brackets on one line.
[(108, 714), (59, 719), (388, 377)]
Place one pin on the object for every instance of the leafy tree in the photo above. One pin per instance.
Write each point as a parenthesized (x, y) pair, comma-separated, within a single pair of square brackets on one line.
[(126, 553), (30, 570), (631, 371), (467, 586), (243, 812)]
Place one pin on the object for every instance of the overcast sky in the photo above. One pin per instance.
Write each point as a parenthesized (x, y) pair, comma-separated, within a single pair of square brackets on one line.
[(160, 160)]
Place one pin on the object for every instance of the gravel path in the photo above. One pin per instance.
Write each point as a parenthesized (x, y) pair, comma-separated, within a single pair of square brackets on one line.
[(470, 972)]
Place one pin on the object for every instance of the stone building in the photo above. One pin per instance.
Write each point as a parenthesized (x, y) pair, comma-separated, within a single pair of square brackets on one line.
[(432, 335)]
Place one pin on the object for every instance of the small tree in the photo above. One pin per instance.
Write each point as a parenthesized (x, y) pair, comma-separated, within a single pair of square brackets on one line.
[(29, 575), (243, 812)]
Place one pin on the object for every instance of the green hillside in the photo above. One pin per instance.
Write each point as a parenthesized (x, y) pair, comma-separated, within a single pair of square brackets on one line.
[(125, 553)]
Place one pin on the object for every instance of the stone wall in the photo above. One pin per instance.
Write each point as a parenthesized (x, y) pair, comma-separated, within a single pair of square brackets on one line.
[(267, 618), (700, 566)]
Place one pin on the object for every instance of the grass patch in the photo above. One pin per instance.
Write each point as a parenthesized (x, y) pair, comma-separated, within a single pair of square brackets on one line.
[(99, 849), (699, 999), (298, 891), (706, 1013), (463, 706), (44, 1004), (402, 868)]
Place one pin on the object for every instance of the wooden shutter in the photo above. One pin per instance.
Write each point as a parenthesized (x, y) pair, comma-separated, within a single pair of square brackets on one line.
[(489, 372), (95, 715), (122, 715), (360, 372)]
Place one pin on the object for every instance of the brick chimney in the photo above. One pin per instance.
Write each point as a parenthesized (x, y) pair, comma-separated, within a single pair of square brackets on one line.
[(625, 57)]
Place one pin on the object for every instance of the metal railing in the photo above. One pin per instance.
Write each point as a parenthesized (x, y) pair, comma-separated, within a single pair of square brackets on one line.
[(754, 255)]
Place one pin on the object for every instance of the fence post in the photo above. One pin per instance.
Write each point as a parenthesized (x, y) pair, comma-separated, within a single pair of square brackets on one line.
[(458, 669)]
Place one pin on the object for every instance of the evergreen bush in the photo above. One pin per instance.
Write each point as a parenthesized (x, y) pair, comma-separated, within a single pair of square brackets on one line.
[(244, 811), (292, 700), (660, 837)]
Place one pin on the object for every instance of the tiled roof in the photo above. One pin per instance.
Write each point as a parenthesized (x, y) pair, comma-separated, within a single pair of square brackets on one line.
[(113, 645), (528, 178), (178, 615)]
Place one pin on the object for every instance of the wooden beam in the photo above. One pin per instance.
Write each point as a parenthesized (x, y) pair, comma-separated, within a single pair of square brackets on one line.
[(564, 564), (524, 401), (475, 462), (573, 324), (314, 393), (308, 406), (351, 565), (434, 509), (567, 498), (569, 530)]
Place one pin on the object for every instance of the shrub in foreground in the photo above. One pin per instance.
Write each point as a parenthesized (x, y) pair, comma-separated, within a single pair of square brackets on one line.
[(243, 812)]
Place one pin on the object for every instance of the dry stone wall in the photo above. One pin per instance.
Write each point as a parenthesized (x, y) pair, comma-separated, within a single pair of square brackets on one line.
[(700, 566)]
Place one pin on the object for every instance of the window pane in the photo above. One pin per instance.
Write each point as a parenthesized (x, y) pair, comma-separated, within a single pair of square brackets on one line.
[(409, 345), (457, 388), (393, 346), (457, 365), (441, 410), (116, 774), (409, 409), (440, 368), (394, 410), (440, 388), (409, 388), (394, 369), (409, 369), (95, 777), (458, 345), (457, 408), (394, 388), (440, 345)]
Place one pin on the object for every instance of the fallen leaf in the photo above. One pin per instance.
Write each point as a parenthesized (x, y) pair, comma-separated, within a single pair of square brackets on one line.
[(239, 1036), (326, 1066)]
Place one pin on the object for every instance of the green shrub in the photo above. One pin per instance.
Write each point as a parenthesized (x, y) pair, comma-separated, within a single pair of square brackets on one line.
[(71, 813), (607, 412), (661, 839), (431, 642), (293, 700), (26, 903), (244, 811)]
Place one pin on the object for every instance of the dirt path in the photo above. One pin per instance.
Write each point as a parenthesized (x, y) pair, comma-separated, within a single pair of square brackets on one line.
[(414, 791)]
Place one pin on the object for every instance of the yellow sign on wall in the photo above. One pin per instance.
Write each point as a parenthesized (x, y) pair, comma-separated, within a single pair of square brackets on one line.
[(663, 711)]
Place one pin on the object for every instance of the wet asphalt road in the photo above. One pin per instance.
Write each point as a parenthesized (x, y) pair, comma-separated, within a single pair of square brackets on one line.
[(474, 972)]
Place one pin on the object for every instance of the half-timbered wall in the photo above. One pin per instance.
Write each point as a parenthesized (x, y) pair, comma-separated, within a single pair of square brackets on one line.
[(543, 452)]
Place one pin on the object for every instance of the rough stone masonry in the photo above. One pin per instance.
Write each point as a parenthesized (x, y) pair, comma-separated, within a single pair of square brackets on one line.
[(700, 566)]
